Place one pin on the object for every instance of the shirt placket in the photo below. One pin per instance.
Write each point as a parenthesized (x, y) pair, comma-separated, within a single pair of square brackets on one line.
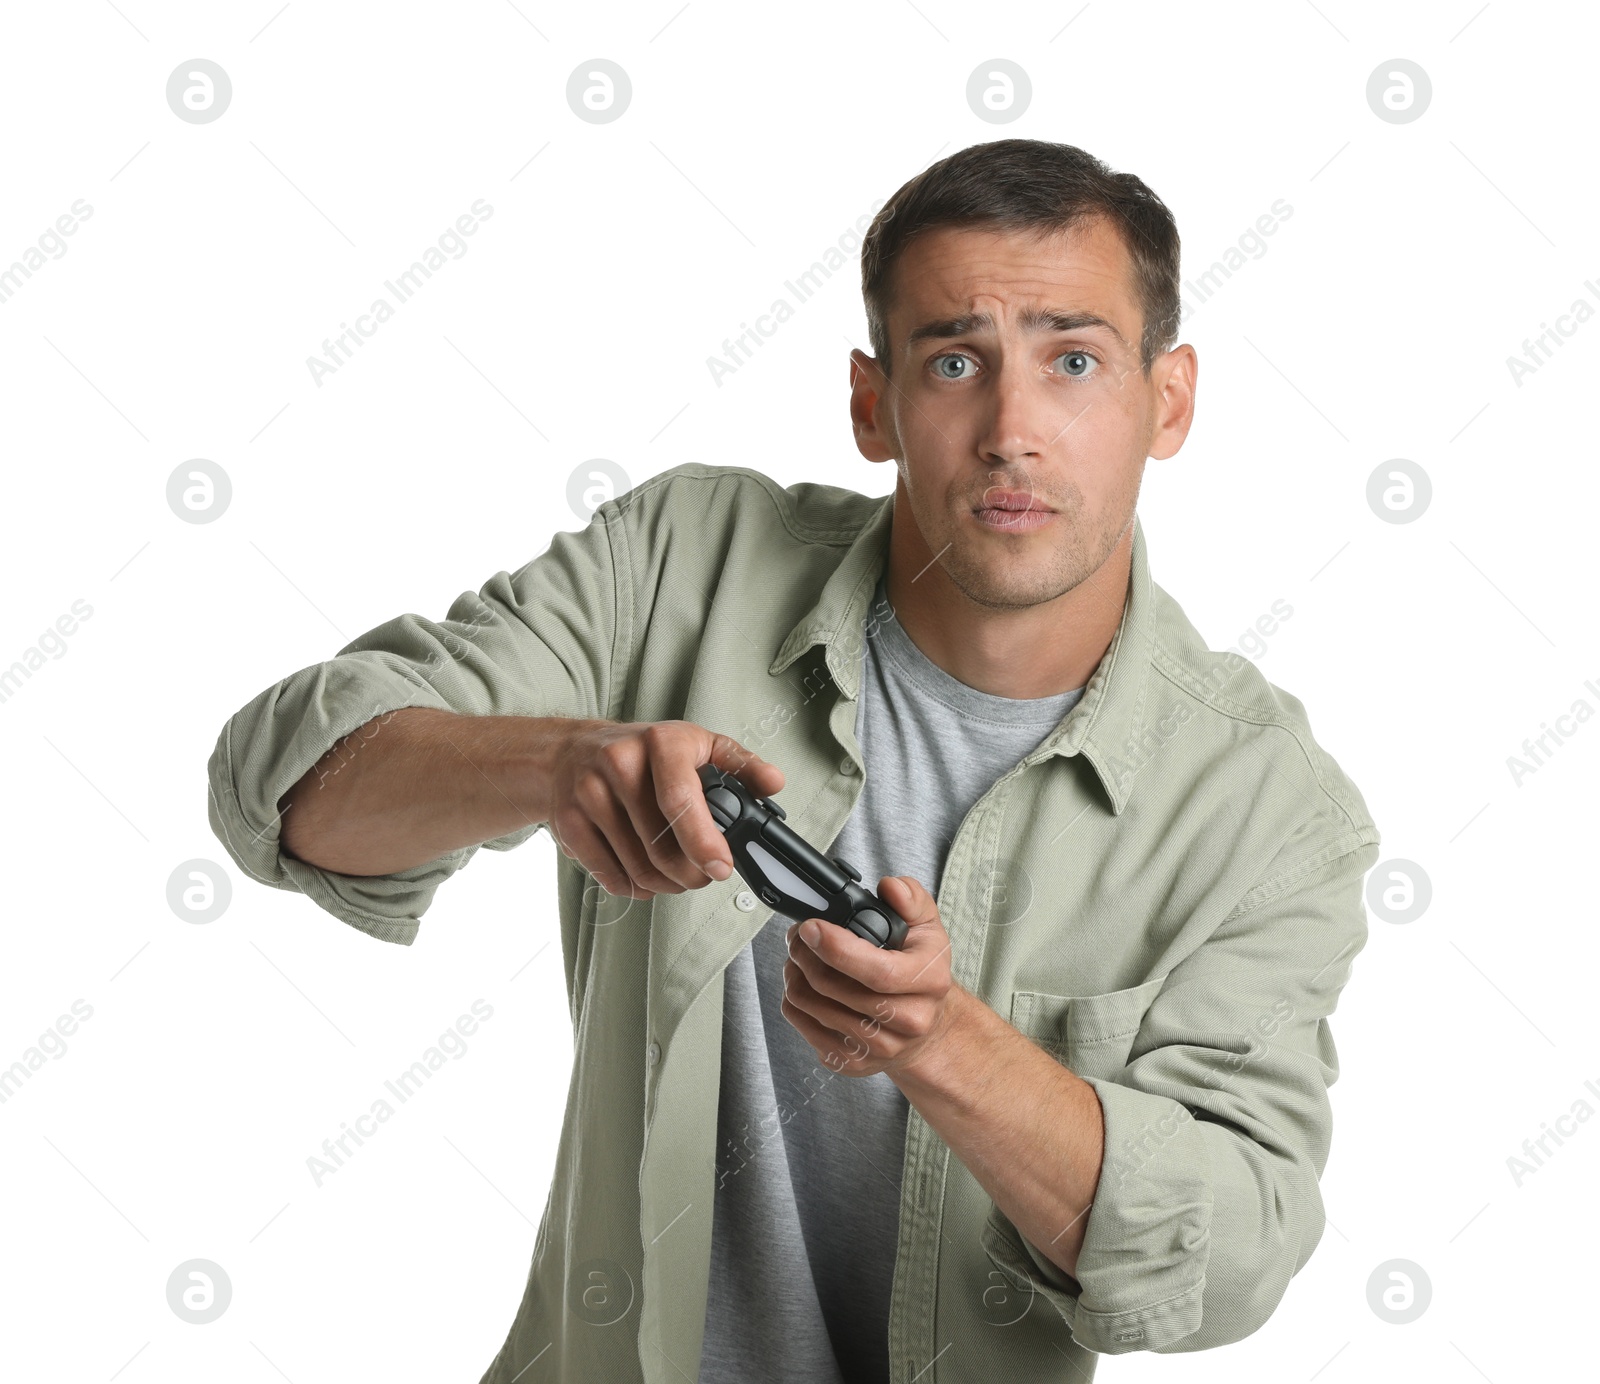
[(915, 1343)]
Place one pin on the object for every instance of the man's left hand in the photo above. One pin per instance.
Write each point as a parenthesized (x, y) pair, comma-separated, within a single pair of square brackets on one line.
[(867, 1009)]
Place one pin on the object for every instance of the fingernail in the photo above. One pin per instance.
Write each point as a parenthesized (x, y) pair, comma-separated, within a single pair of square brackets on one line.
[(718, 869)]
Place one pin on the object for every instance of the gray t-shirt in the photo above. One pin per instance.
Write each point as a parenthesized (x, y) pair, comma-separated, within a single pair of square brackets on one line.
[(807, 1213)]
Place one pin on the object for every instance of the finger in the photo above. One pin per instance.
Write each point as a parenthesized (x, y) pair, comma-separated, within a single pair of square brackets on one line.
[(665, 850), (828, 980), (676, 755), (757, 774), (634, 787), (916, 905), (596, 798), (927, 944), (911, 900), (838, 1018), (875, 968), (675, 761), (838, 1052), (582, 841), (669, 871)]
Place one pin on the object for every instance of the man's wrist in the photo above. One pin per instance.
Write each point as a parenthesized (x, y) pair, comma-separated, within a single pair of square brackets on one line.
[(533, 753), (951, 1047)]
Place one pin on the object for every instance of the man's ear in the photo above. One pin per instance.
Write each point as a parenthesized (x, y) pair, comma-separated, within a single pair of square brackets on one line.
[(1174, 378), (867, 390)]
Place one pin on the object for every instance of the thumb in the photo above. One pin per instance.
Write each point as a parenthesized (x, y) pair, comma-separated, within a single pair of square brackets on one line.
[(909, 899), (745, 765)]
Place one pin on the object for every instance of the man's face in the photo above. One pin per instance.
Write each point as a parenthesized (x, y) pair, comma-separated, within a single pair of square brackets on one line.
[(1016, 382)]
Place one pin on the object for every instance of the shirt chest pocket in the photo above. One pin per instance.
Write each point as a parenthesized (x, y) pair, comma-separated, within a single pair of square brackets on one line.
[(1091, 1034)]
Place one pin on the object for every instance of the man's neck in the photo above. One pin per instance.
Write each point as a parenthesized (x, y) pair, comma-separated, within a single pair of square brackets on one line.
[(1034, 651)]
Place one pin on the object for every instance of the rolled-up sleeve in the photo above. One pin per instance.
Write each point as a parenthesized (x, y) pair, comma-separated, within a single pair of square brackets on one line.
[(1218, 1127), (547, 640)]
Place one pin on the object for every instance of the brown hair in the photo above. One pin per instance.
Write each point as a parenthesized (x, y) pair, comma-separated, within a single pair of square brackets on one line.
[(1033, 186)]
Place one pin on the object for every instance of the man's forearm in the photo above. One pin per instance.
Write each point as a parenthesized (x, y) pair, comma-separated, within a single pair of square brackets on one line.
[(1027, 1128), (414, 784)]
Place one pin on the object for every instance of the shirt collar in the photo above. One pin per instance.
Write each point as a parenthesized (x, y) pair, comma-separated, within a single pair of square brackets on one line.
[(1102, 725)]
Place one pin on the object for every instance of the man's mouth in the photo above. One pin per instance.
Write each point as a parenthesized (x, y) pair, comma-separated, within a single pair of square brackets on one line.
[(1012, 511)]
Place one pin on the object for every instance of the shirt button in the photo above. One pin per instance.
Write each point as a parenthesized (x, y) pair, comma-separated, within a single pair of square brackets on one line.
[(744, 901), (652, 1054), (847, 765)]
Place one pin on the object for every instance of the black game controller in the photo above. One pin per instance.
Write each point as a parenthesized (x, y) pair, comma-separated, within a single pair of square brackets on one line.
[(788, 873)]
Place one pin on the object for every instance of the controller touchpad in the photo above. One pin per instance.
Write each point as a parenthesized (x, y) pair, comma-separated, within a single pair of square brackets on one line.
[(782, 876)]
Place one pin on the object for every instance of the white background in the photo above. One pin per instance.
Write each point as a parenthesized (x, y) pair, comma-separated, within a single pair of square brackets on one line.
[(219, 256)]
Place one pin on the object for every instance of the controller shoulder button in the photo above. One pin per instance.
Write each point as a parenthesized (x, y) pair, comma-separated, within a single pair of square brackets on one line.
[(847, 867)]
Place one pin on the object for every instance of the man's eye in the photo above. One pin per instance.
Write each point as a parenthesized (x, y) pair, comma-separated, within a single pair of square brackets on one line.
[(948, 366), (1079, 363)]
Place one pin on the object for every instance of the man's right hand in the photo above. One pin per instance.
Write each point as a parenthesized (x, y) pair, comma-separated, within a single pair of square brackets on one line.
[(627, 804)]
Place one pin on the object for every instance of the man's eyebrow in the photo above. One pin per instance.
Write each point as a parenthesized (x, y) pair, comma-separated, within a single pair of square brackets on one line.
[(1032, 319)]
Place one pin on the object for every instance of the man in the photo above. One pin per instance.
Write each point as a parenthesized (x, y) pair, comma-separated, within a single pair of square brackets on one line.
[(1085, 1109)]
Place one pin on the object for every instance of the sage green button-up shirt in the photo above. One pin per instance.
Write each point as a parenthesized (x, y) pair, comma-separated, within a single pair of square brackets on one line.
[(1165, 894)]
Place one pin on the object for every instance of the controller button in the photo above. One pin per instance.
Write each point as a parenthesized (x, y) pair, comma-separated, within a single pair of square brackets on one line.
[(773, 808), (873, 925), (724, 806), (847, 867)]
